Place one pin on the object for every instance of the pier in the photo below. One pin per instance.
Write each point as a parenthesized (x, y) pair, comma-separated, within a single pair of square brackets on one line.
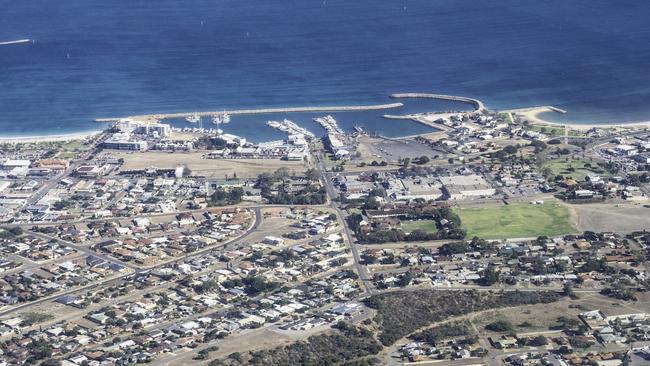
[(260, 111), (478, 105)]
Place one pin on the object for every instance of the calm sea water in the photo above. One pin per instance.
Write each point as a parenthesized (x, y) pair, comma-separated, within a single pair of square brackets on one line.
[(97, 58)]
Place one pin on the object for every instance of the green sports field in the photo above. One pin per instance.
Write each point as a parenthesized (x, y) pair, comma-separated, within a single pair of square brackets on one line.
[(424, 225), (517, 220)]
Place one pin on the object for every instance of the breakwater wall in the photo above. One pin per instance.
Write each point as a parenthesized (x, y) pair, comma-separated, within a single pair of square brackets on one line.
[(20, 41), (262, 111), (555, 109), (478, 105)]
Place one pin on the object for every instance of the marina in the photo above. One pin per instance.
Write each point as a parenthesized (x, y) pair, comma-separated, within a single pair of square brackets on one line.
[(290, 128), (371, 119), (329, 124), (254, 127)]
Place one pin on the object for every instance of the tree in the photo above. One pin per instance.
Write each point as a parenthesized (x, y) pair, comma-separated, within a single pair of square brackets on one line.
[(281, 173), (500, 326), (223, 197), (510, 149), (405, 280), (538, 341), (489, 277), (257, 284), (312, 175), (423, 159), (538, 145)]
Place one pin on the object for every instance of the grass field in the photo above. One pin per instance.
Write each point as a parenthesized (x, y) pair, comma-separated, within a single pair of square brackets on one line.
[(424, 225), (575, 168), (518, 220), (554, 131), (507, 117)]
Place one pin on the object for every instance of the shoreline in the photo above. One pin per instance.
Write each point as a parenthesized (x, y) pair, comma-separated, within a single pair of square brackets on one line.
[(48, 138), (533, 115)]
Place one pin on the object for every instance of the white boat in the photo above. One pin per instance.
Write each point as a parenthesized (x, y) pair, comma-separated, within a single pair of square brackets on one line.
[(194, 118), (290, 127), (222, 118)]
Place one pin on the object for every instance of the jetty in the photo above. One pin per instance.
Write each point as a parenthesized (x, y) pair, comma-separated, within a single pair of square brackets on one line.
[(260, 111), (290, 128), (478, 105), (19, 41)]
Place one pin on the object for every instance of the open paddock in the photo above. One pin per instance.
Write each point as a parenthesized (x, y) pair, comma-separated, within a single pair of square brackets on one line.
[(621, 218)]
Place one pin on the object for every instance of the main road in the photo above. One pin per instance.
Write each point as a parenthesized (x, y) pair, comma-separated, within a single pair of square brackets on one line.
[(331, 194)]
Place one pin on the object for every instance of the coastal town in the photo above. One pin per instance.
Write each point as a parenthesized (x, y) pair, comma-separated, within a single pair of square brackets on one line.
[(496, 238)]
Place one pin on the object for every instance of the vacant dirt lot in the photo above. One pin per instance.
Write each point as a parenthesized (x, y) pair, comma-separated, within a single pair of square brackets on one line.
[(391, 150), (624, 217), (214, 168)]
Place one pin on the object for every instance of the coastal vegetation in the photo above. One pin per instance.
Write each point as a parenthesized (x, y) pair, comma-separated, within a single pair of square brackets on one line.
[(441, 332), (402, 312), (347, 345)]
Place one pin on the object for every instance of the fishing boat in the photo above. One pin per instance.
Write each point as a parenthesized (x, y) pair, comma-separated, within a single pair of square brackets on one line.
[(194, 118)]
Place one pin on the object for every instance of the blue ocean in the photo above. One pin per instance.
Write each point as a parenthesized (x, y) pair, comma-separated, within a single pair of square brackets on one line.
[(99, 58)]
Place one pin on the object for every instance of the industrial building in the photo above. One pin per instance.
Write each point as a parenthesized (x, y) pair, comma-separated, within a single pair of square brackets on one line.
[(459, 187)]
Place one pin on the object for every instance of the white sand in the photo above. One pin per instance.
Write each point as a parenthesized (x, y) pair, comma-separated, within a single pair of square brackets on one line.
[(532, 114), (48, 138)]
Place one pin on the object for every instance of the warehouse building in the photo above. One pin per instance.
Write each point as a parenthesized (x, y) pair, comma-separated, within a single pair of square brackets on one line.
[(460, 187)]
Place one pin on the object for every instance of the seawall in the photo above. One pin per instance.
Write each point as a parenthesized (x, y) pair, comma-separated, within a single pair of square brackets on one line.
[(261, 111), (20, 41), (478, 105)]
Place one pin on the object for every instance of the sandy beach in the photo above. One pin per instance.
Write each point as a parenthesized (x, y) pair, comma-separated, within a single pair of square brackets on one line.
[(532, 114), (50, 138)]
